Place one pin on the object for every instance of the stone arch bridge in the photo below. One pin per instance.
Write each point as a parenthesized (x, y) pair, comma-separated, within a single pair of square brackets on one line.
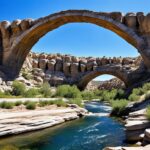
[(18, 37), (60, 69)]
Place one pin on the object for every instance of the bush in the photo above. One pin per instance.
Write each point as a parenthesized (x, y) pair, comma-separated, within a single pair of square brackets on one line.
[(133, 97), (43, 103), (147, 96), (120, 94), (109, 95), (138, 91), (31, 93), (7, 105), (146, 87), (45, 90), (118, 107), (18, 103), (60, 103), (31, 105), (88, 95), (68, 91), (27, 75), (77, 101), (148, 112), (18, 88)]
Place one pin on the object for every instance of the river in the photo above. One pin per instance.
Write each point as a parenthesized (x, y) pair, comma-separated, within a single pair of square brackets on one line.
[(88, 133)]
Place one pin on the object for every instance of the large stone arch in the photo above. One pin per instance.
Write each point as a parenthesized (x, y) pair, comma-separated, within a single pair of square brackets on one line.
[(127, 27)]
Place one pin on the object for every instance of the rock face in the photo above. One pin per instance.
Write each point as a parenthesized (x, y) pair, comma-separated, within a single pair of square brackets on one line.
[(13, 123), (137, 127), (60, 69)]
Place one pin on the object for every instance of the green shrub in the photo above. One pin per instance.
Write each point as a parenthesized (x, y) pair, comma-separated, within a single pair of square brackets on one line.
[(147, 96), (120, 93), (7, 105), (45, 90), (43, 103), (133, 97), (27, 75), (62, 90), (146, 87), (108, 95), (60, 103), (77, 101), (31, 93), (18, 103), (138, 91), (31, 105), (118, 107), (68, 91), (18, 88), (88, 95), (148, 112)]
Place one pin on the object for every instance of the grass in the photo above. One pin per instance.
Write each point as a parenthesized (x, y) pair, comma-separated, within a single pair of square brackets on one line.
[(77, 101), (30, 93), (31, 105), (148, 112), (6, 105), (45, 90), (18, 88), (133, 97), (18, 103)]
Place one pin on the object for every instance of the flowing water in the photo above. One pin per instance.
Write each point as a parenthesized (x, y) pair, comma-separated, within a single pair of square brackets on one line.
[(89, 133)]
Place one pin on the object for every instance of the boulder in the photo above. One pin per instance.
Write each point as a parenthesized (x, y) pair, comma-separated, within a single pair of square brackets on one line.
[(56, 80), (66, 69), (104, 61), (82, 68), (131, 20), (35, 63), (42, 63), (51, 65), (74, 68), (75, 59), (42, 56), (98, 61), (67, 59), (59, 64), (38, 79), (90, 65)]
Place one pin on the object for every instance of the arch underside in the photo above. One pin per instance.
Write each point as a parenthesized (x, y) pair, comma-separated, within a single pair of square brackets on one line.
[(25, 42), (85, 79)]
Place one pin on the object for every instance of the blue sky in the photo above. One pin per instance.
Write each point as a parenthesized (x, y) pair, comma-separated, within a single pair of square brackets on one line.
[(80, 39)]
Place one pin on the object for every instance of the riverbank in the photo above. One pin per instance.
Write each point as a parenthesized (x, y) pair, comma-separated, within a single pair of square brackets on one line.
[(20, 120)]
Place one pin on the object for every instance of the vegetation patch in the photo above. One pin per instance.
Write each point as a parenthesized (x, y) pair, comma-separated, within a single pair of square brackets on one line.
[(118, 107), (148, 112)]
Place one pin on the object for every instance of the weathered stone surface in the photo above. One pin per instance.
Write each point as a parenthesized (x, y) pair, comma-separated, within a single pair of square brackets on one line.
[(51, 65), (24, 121), (59, 65), (42, 63), (35, 63), (74, 68), (82, 68), (66, 69)]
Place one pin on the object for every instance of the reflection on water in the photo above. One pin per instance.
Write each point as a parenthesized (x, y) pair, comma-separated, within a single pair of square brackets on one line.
[(88, 133)]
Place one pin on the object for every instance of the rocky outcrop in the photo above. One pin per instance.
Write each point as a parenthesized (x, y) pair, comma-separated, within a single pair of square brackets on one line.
[(137, 127), (57, 69), (17, 122)]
